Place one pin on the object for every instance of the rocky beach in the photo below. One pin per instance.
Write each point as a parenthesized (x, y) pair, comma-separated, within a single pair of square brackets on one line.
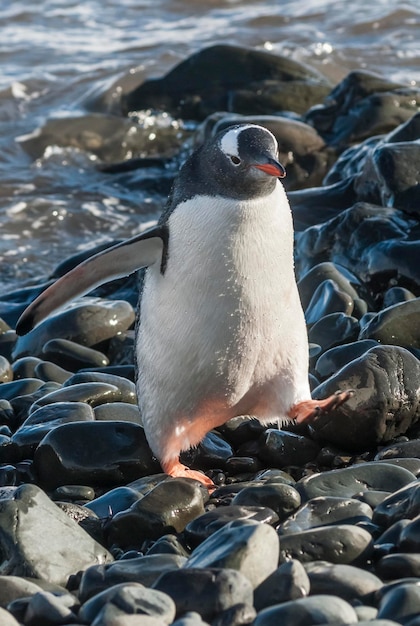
[(308, 525)]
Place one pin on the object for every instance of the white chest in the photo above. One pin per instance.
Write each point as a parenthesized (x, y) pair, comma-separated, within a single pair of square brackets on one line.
[(226, 313)]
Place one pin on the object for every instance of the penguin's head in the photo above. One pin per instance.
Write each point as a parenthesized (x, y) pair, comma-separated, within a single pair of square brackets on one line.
[(249, 148), (240, 162)]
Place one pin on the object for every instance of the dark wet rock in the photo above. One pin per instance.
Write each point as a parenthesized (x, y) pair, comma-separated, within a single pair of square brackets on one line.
[(121, 348), (28, 522), (7, 618), (7, 417), (47, 371), (118, 411), (339, 543), (327, 271), (320, 204), (403, 503), (124, 371), (371, 497), (73, 356), (334, 329), (143, 569), (390, 586), (45, 607), (91, 393), (88, 323), (275, 476), (168, 544), (389, 175), (288, 582), (345, 581), (400, 450), (22, 405), (208, 591), (397, 295), (409, 131), (328, 298), (325, 510), (201, 527), (8, 454), (127, 387), (362, 105), (8, 342), (398, 565), (113, 501), (24, 386), (301, 150), (6, 372), (384, 168), (15, 587), (127, 599), (226, 491), (242, 464), (212, 451), (246, 546), (401, 603), (25, 367), (144, 484), (241, 429), (282, 499), (8, 474), (409, 463), (362, 238), (71, 493), (166, 509), (390, 261), (390, 537), (43, 420), (109, 137), (281, 448), (348, 482), (237, 615), (230, 78), (397, 325), (385, 403), (190, 618), (351, 162), (96, 453), (409, 540), (367, 614), (321, 609), (334, 359)]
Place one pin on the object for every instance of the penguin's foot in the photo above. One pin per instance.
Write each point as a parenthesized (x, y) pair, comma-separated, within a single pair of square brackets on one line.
[(309, 409), (177, 470)]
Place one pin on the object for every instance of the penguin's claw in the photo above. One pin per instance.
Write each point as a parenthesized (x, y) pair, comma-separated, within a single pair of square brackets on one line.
[(309, 409), (178, 470)]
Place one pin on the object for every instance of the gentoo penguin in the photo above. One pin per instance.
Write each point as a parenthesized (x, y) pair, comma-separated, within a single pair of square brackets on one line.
[(220, 329)]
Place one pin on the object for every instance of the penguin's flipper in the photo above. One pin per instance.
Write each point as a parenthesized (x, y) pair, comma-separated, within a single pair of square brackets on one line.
[(115, 262)]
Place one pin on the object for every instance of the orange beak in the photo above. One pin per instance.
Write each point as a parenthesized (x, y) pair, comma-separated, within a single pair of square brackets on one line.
[(272, 168)]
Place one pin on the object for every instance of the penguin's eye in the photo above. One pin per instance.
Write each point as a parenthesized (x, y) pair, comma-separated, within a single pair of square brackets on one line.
[(235, 160)]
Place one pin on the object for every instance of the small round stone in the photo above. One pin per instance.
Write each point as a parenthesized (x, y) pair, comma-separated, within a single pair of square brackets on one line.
[(320, 609), (340, 543), (282, 499), (247, 546), (203, 526)]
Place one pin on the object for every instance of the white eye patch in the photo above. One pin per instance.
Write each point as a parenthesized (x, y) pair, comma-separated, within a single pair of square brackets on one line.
[(229, 143)]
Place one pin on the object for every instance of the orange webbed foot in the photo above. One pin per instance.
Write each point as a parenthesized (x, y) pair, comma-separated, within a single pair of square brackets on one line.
[(177, 470), (309, 409)]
